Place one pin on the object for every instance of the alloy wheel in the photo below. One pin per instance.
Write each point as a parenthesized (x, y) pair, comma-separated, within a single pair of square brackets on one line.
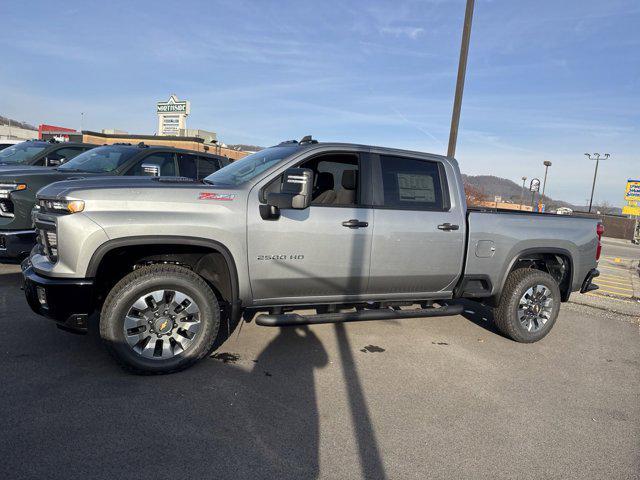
[(535, 307), (162, 324)]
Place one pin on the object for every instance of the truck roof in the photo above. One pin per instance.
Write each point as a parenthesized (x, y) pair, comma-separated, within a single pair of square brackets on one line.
[(142, 145), (309, 143), (51, 143)]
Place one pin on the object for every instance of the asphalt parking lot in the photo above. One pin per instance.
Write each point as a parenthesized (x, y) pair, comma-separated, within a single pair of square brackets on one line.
[(433, 398), (618, 269)]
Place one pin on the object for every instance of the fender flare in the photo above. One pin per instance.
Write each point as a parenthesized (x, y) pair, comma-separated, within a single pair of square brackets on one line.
[(537, 250), (109, 245)]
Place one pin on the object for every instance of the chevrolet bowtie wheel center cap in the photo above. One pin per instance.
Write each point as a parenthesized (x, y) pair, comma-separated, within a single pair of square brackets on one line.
[(163, 325)]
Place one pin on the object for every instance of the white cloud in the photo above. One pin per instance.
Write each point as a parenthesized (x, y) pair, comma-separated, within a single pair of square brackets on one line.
[(411, 32)]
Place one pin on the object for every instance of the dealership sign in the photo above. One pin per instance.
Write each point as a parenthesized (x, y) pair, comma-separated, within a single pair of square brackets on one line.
[(632, 192), (173, 105), (172, 115), (632, 196)]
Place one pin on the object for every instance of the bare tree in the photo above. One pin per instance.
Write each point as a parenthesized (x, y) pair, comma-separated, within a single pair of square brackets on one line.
[(474, 195), (605, 208)]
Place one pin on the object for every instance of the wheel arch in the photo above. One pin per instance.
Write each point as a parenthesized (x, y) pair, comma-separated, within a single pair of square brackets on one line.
[(534, 257), (213, 257)]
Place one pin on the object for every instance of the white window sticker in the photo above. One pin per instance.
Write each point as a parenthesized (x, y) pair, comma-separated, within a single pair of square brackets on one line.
[(416, 188)]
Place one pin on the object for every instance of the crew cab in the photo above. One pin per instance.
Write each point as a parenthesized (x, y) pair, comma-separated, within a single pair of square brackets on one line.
[(39, 153), (353, 232), (18, 187)]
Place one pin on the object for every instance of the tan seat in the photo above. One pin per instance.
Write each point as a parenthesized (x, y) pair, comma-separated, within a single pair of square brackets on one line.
[(347, 196), (324, 194)]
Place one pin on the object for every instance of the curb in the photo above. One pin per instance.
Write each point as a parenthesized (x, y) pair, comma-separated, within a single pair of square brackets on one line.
[(628, 308), (635, 278)]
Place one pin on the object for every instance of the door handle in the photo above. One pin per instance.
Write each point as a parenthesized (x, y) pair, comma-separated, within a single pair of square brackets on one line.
[(354, 223), (448, 226)]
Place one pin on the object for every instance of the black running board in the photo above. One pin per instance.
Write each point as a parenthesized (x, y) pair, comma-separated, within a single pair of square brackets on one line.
[(293, 319)]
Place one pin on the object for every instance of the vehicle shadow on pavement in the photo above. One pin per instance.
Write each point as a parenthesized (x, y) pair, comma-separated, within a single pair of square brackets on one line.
[(64, 400), (481, 315), (284, 421), (253, 418), (11, 279)]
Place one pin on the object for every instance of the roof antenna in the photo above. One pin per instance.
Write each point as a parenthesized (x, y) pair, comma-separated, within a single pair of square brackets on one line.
[(307, 139)]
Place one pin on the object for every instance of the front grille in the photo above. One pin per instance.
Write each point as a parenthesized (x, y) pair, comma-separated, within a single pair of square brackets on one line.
[(51, 242), (47, 238), (6, 207)]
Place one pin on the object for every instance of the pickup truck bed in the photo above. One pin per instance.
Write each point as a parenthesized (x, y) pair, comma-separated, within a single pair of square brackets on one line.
[(497, 239)]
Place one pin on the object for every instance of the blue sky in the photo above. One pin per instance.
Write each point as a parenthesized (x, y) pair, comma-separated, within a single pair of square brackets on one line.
[(547, 79)]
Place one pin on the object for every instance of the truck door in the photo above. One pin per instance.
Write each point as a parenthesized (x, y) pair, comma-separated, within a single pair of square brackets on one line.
[(321, 252), (418, 241)]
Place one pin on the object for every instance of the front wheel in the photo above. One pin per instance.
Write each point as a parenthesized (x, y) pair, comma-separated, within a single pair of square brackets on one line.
[(529, 305), (159, 319)]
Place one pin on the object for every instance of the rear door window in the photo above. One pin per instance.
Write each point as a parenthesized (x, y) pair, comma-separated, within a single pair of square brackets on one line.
[(165, 160), (206, 166), (410, 183), (66, 153), (188, 165)]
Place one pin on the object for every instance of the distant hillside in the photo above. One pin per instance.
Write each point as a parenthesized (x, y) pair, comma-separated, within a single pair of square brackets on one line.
[(491, 186), (15, 123)]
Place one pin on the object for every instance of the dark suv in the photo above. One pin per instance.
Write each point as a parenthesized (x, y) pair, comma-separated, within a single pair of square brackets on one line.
[(18, 187), (38, 153)]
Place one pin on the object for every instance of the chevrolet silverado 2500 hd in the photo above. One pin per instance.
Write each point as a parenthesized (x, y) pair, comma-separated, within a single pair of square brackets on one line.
[(354, 232)]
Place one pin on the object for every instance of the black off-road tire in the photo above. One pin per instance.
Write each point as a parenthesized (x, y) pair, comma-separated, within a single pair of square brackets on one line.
[(506, 313), (145, 280)]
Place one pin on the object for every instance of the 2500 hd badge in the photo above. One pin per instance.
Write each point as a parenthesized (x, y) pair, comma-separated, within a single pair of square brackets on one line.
[(281, 257)]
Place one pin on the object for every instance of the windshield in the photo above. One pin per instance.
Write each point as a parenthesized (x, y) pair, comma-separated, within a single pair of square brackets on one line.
[(249, 167), (20, 153), (100, 160)]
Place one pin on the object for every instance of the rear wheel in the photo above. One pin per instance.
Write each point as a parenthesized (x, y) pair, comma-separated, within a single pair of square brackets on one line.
[(160, 319), (529, 305)]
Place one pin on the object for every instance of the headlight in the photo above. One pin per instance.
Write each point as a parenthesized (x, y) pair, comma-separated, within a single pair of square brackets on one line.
[(7, 188), (61, 206)]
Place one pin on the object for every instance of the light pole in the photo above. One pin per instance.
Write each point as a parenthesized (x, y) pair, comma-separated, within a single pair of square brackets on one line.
[(546, 164), (81, 121), (524, 179), (596, 157), (462, 69)]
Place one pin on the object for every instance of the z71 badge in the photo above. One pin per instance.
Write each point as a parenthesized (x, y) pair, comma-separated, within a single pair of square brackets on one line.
[(224, 197)]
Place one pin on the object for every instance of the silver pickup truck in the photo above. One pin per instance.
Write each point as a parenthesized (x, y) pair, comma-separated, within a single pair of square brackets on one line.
[(348, 232)]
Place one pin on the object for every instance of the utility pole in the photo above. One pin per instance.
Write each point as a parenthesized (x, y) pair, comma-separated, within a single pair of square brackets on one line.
[(596, 157), (462, 69), (546, 164), (524, 179)]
